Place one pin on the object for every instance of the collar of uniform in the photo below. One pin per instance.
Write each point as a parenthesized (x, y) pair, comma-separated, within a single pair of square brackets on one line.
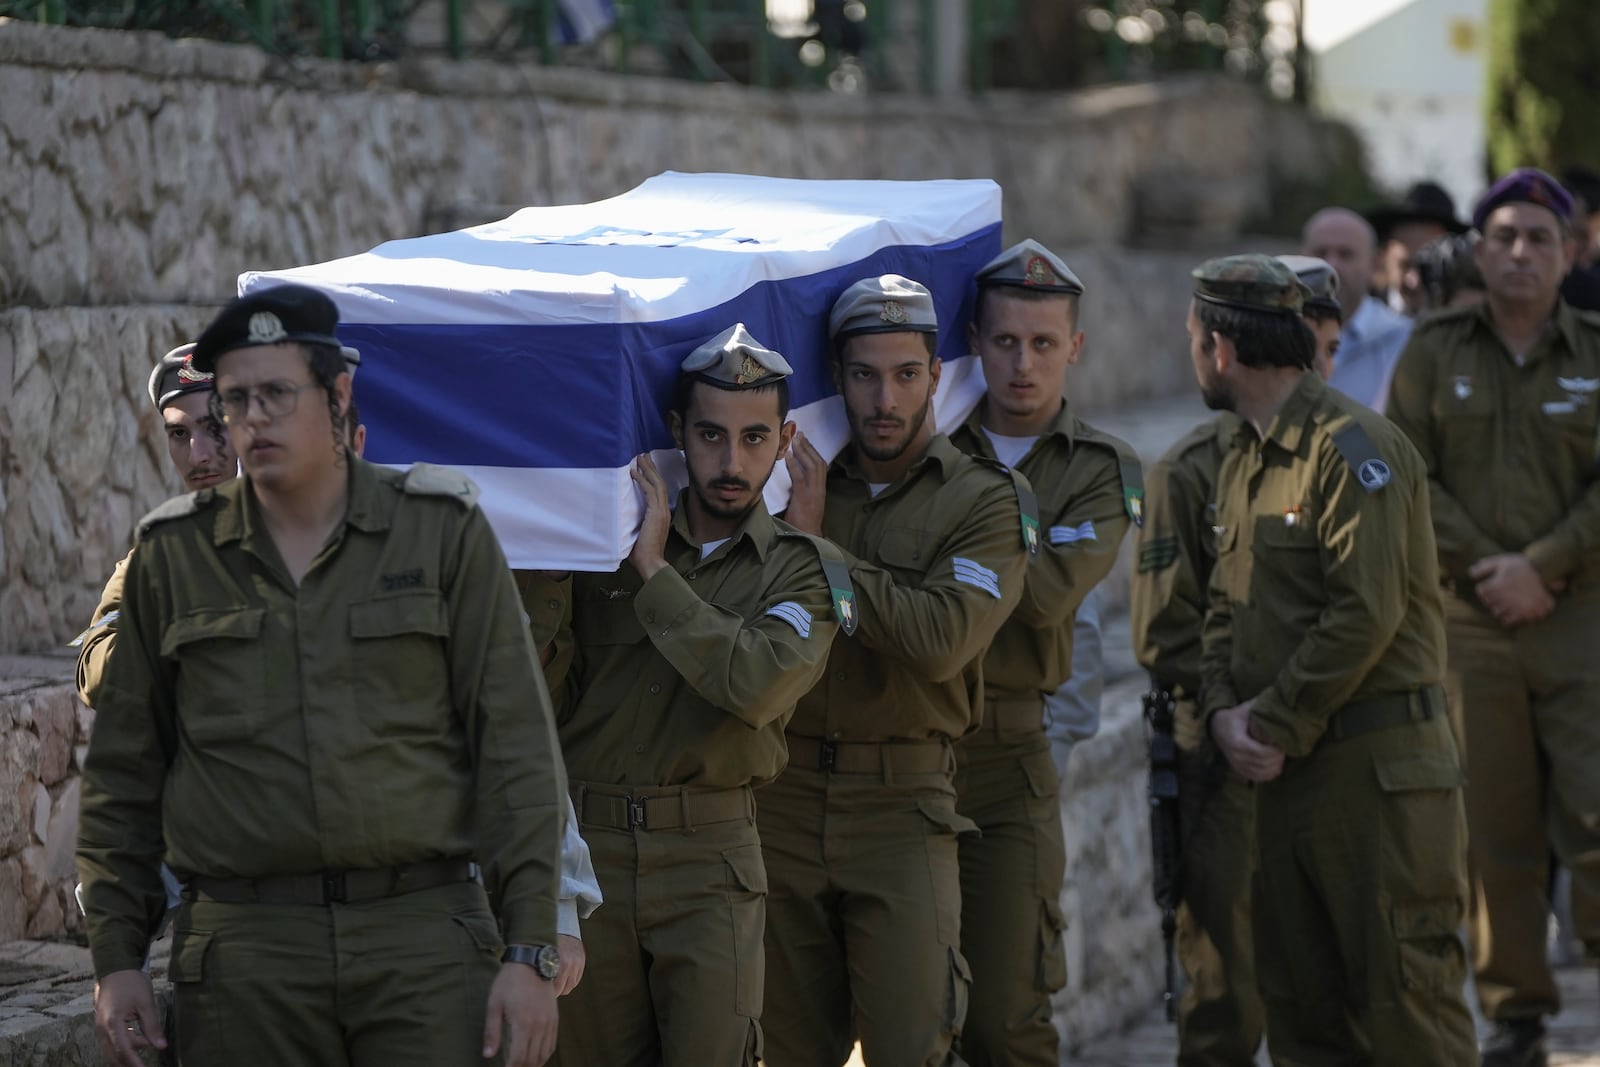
[(1288, 426), (940, 450), (1564, 320), (1060, 426), (367, 508), (756, 526)]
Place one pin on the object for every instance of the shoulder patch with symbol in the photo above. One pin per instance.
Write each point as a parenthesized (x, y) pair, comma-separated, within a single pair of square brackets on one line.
[(1128, 468), (176, 508), (1362, 457), (428, 479), (1027, 502), (841, 590)]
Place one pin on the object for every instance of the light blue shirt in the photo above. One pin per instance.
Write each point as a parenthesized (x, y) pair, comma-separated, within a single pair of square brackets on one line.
[(1369, 347), (1072, 712)]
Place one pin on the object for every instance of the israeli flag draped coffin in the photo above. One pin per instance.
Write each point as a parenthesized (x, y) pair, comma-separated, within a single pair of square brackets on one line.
[(538, 354)]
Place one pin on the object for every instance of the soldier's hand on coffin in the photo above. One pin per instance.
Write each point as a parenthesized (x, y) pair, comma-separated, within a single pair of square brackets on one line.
[(1511, 589), (649, 549), (808, 473), (1255, 760)]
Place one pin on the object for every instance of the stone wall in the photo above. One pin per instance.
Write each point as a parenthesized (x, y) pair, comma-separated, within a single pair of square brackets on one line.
[(44, 732)]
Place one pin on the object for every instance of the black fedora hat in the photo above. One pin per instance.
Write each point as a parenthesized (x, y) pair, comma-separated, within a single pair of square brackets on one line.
[(1423, 202)]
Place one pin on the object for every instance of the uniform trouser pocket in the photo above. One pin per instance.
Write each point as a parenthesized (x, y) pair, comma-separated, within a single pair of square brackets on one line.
[(747, 910), (944, 865)]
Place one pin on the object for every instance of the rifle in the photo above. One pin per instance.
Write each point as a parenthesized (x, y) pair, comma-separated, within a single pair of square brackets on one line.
[(1166, 846)]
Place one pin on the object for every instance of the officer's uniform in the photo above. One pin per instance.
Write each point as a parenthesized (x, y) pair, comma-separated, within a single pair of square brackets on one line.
[(321, 763), (1221, 1020), (1324, 611), (864, 918), (1088, 486), (1511, 449), (670, 707)]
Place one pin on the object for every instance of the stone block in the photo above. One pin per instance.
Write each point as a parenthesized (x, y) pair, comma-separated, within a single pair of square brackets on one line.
[(60, 862), (39, 813), (13, 901), (35, 878), (49, 920)]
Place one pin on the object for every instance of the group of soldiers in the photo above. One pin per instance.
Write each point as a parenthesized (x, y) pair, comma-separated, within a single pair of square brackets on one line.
[(379, 783)]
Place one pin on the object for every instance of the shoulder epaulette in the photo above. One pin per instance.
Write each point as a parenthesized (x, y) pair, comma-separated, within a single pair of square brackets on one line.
[(1027, 502), (176, 508), (1128, 467), (1362, 456), (1587, 317), (841, 589), (428, 479), (1443, 317)]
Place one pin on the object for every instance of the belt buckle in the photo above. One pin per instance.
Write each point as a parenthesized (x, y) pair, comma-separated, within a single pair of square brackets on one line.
[(828, 756), (636, 817), (333, 887)]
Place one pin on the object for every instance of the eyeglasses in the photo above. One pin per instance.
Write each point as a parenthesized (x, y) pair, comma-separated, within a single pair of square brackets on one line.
[(277, 399)]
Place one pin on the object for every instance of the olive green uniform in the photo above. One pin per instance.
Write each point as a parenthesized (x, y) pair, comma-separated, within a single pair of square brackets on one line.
[(670, 707), (1011, 873), (320, 762), (1220, 1019), (1324, 610), (1511, 453), (864, 920)]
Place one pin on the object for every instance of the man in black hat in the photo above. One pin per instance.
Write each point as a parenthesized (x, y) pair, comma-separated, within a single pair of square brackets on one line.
[(1426, 213), (323, 709)]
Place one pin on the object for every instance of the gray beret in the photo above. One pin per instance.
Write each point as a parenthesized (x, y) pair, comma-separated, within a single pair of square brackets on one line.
[(1030, 265), (735, 360), (175, 376), (886, 304), (1318, 276)]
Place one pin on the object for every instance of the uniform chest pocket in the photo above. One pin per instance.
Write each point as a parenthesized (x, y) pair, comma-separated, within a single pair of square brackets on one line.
[(222, 672), (398, 652), (907, 549), (607, 622)]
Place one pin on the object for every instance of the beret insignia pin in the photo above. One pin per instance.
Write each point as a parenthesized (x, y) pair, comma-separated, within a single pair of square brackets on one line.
[(749, 371), (266, 328), (893, 312), (187, 373), (1038, 272)]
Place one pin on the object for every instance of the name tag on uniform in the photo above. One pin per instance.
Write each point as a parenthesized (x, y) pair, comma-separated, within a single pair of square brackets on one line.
[(1559, 407), (975, 573), (793, 614)]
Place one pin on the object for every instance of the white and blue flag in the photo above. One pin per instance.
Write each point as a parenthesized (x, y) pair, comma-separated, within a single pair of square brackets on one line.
[(538, 354)]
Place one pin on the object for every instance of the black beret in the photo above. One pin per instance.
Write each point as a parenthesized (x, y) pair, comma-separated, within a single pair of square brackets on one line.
[(275, 316)]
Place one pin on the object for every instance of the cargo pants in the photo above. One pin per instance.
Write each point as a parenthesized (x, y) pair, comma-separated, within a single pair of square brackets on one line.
[(1359, 895), (1011, 875), (674, 972), (864, 915), (1528, 702), (398, 981)]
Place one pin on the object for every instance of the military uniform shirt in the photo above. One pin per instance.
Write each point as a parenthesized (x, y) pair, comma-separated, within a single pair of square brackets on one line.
[(1326, 586), (386, 711), (1512, 452), (1076, 474), (98, 640), (1174, 552), (937, 559), (689, 678)]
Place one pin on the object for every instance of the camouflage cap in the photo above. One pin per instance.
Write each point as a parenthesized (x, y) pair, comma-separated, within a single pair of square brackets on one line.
[(735, 360), (886, 304), (1251, 282), (1030, 265), (175, 376), (1525, 185), (1319, 278)]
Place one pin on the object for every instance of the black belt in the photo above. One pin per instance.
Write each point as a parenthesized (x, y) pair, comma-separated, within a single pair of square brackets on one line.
[(1385, 712), (680, 810), (870, 757), (330, 887)]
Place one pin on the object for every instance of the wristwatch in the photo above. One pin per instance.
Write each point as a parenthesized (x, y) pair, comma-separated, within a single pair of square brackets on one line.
[(544, 959)]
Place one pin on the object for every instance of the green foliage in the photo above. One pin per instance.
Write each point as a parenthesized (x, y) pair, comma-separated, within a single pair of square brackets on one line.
[(1543, 96)]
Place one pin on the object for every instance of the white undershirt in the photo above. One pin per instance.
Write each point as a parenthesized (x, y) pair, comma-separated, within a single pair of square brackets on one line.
[(878, 487), (1010, 450), (711, 546)]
